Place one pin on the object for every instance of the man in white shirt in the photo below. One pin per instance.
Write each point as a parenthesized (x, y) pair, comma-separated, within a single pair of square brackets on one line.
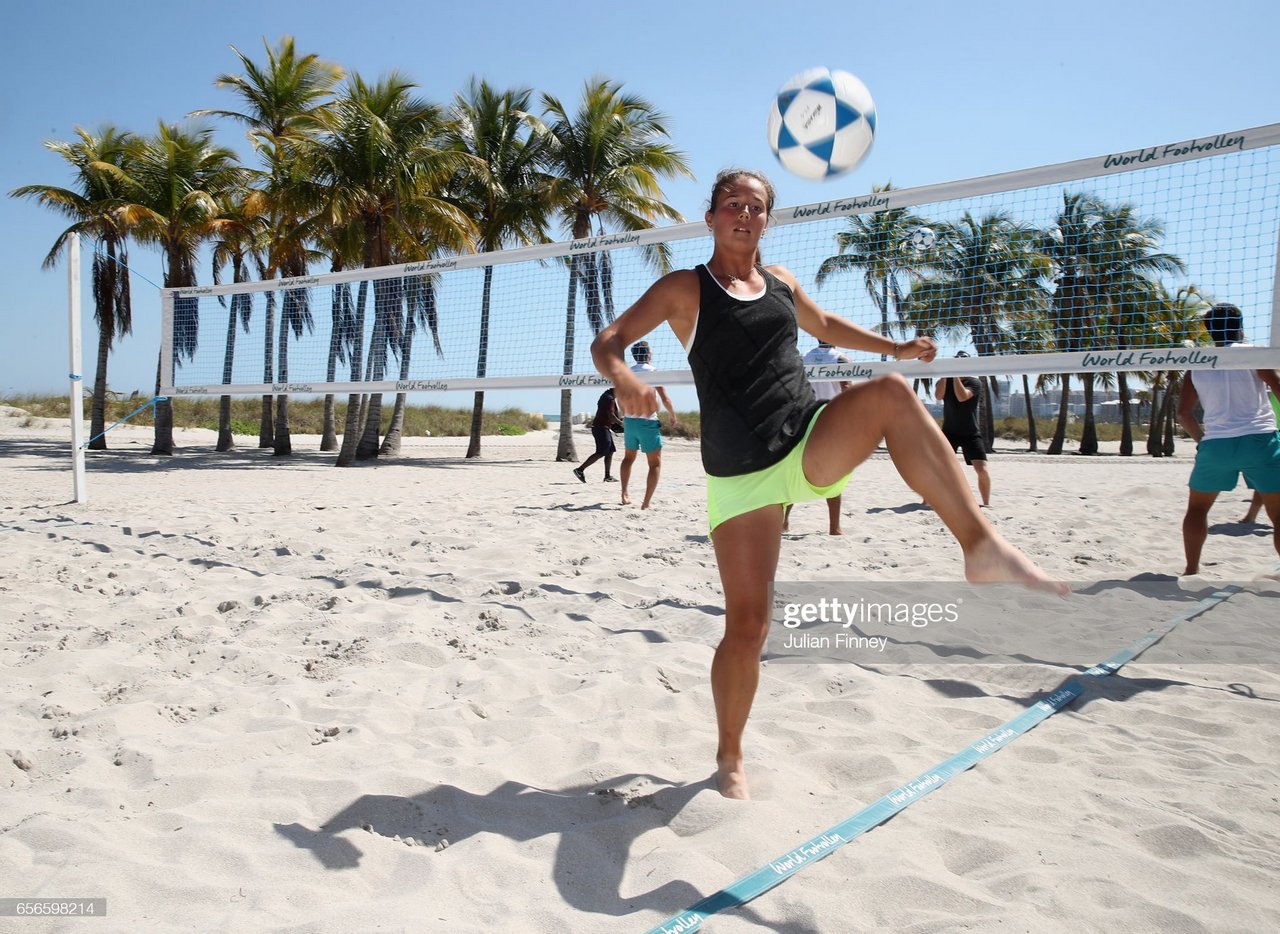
[(642, 434), (1238, 436), (825, 391)]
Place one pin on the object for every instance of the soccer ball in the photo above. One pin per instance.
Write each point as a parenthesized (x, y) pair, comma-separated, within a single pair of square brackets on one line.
[(822, 123), (922, 239)]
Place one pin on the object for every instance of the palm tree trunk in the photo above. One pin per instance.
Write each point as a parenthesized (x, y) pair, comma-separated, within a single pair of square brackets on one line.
[(1031, 419), (329, 438), (391, 443), (988, 415), (1157, 418), (1064, 408), (350, 432), (163, 444), (884, 311), (266, 431), (328, 428), (477, 419), (281, 443), (98, 407), (367, 449), (395, 431), (1126, 421), (368, 445), (225, 439), (482, 364), (351, 424), (1170, 416), (1089, 433), (567, 451)]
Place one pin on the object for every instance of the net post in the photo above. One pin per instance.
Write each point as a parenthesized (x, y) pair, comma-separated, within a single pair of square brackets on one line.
[(166, 342), (1275, 301), (73, 373)]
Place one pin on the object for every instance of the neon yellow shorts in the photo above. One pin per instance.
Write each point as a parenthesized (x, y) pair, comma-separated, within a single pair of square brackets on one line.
[(780, 484)]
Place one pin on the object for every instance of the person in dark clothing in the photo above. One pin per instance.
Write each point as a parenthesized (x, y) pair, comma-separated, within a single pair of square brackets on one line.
[(768, 441), (606, 420), (961, 397)]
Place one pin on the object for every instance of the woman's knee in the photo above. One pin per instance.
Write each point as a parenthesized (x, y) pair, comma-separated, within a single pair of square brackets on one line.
[(894, 388), (745, 635)]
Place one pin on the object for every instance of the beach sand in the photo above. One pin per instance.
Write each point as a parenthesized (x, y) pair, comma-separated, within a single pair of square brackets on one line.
[(243, 693)]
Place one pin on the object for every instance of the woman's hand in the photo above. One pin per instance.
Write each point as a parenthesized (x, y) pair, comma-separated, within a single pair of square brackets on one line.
[(922, 349), (635, 397)]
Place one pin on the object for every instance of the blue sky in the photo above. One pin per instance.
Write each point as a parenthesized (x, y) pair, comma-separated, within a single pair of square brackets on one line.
[(961, 90)]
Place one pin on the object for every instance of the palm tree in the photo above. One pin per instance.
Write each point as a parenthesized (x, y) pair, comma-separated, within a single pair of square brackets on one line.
[(420, 312), (241, 247), (1070, 245), (1105, 261), (343, 242), (100, 161), (608, 159), (1029, 334), (983, 275), (1178, 320), (506, 193), (878, 245), (282, 99), (1129, 294), (179, 182), (380, 162)]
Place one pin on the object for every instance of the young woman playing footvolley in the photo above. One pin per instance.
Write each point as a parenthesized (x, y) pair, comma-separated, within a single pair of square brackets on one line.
[(767, 441)]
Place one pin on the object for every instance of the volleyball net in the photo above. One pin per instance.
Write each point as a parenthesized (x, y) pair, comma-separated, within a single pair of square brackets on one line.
[(1100, 264)]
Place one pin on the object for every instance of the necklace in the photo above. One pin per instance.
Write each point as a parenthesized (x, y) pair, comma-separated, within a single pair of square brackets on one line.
[(728, 277)]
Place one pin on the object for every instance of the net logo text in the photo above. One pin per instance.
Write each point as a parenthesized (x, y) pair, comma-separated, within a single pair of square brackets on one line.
[(1173, 150), (868, 203)]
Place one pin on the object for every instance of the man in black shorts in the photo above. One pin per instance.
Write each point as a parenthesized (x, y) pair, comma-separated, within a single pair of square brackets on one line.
[(960, 398), (607, 418)]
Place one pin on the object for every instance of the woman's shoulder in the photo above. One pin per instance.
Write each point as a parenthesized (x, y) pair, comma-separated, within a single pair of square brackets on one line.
[(679, 280), (782, 274)]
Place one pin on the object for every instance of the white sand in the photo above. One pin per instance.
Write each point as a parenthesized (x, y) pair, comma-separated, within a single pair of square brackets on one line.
[(243, 693)]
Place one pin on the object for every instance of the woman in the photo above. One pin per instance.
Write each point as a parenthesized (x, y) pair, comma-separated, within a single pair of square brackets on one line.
[(767, 441)]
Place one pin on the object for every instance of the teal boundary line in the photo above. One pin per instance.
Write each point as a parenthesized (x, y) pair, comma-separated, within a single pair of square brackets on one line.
[(121, 421), (788, 864)]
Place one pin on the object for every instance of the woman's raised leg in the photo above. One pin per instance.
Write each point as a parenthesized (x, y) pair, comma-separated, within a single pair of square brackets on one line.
[(886, 408)]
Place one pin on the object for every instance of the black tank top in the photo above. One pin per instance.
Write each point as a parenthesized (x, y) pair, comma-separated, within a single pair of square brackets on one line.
[(755, 401)]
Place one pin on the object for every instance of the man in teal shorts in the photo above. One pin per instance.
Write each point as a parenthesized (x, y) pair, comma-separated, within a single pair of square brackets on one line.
[(1255, 504), (1239, 435), (642, 434)]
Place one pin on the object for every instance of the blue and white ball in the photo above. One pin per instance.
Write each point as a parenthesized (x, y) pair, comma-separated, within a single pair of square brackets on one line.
[(822, 123), (922, 239)]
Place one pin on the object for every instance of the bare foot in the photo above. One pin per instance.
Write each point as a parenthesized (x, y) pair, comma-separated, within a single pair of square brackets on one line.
[(837, 531), (645, 504), (993, 559), (731, 779), (1187, 572), (626, 500)]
